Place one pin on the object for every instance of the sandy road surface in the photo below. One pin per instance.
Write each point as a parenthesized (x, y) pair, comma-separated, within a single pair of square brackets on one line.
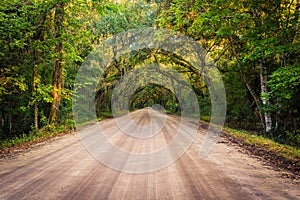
[(64, 169)]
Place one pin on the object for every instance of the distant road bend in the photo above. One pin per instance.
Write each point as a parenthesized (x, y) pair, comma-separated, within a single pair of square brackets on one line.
[(64, 169)]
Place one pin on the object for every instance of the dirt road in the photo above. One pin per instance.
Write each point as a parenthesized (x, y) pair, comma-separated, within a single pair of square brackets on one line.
[(64, 169)]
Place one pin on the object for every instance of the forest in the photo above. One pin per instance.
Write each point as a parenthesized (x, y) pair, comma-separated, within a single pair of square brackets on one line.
[(255, 45)]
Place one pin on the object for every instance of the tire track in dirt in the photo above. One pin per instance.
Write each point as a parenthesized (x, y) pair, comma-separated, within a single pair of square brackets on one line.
[(100, 170), (43, 175)]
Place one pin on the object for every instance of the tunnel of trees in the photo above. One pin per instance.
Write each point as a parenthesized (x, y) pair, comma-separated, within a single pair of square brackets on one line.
[(255, 45)]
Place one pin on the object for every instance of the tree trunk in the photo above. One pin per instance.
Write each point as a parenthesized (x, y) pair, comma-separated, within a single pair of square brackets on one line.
[(58, 63), (10, 122), (264, 93), (255, 97), (36, 120)]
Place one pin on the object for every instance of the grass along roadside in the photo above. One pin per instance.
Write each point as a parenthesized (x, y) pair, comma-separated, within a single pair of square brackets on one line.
[(246, 138), (279, 156), (9, 146), (286, 151), (45, 133)]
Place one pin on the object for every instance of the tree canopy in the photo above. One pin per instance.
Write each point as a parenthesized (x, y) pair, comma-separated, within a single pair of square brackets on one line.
[(255, 44)]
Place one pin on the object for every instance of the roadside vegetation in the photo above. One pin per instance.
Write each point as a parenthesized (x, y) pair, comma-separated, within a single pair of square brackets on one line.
[(279, 156)]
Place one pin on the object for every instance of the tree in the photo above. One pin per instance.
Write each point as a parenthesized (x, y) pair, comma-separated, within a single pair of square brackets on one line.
[(44, 44), (252, 38), (57, 79)]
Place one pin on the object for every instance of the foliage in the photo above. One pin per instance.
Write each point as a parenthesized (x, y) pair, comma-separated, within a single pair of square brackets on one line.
[(255, 44), (117, 18), (27, 36), (284, 84), (35, 136)]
